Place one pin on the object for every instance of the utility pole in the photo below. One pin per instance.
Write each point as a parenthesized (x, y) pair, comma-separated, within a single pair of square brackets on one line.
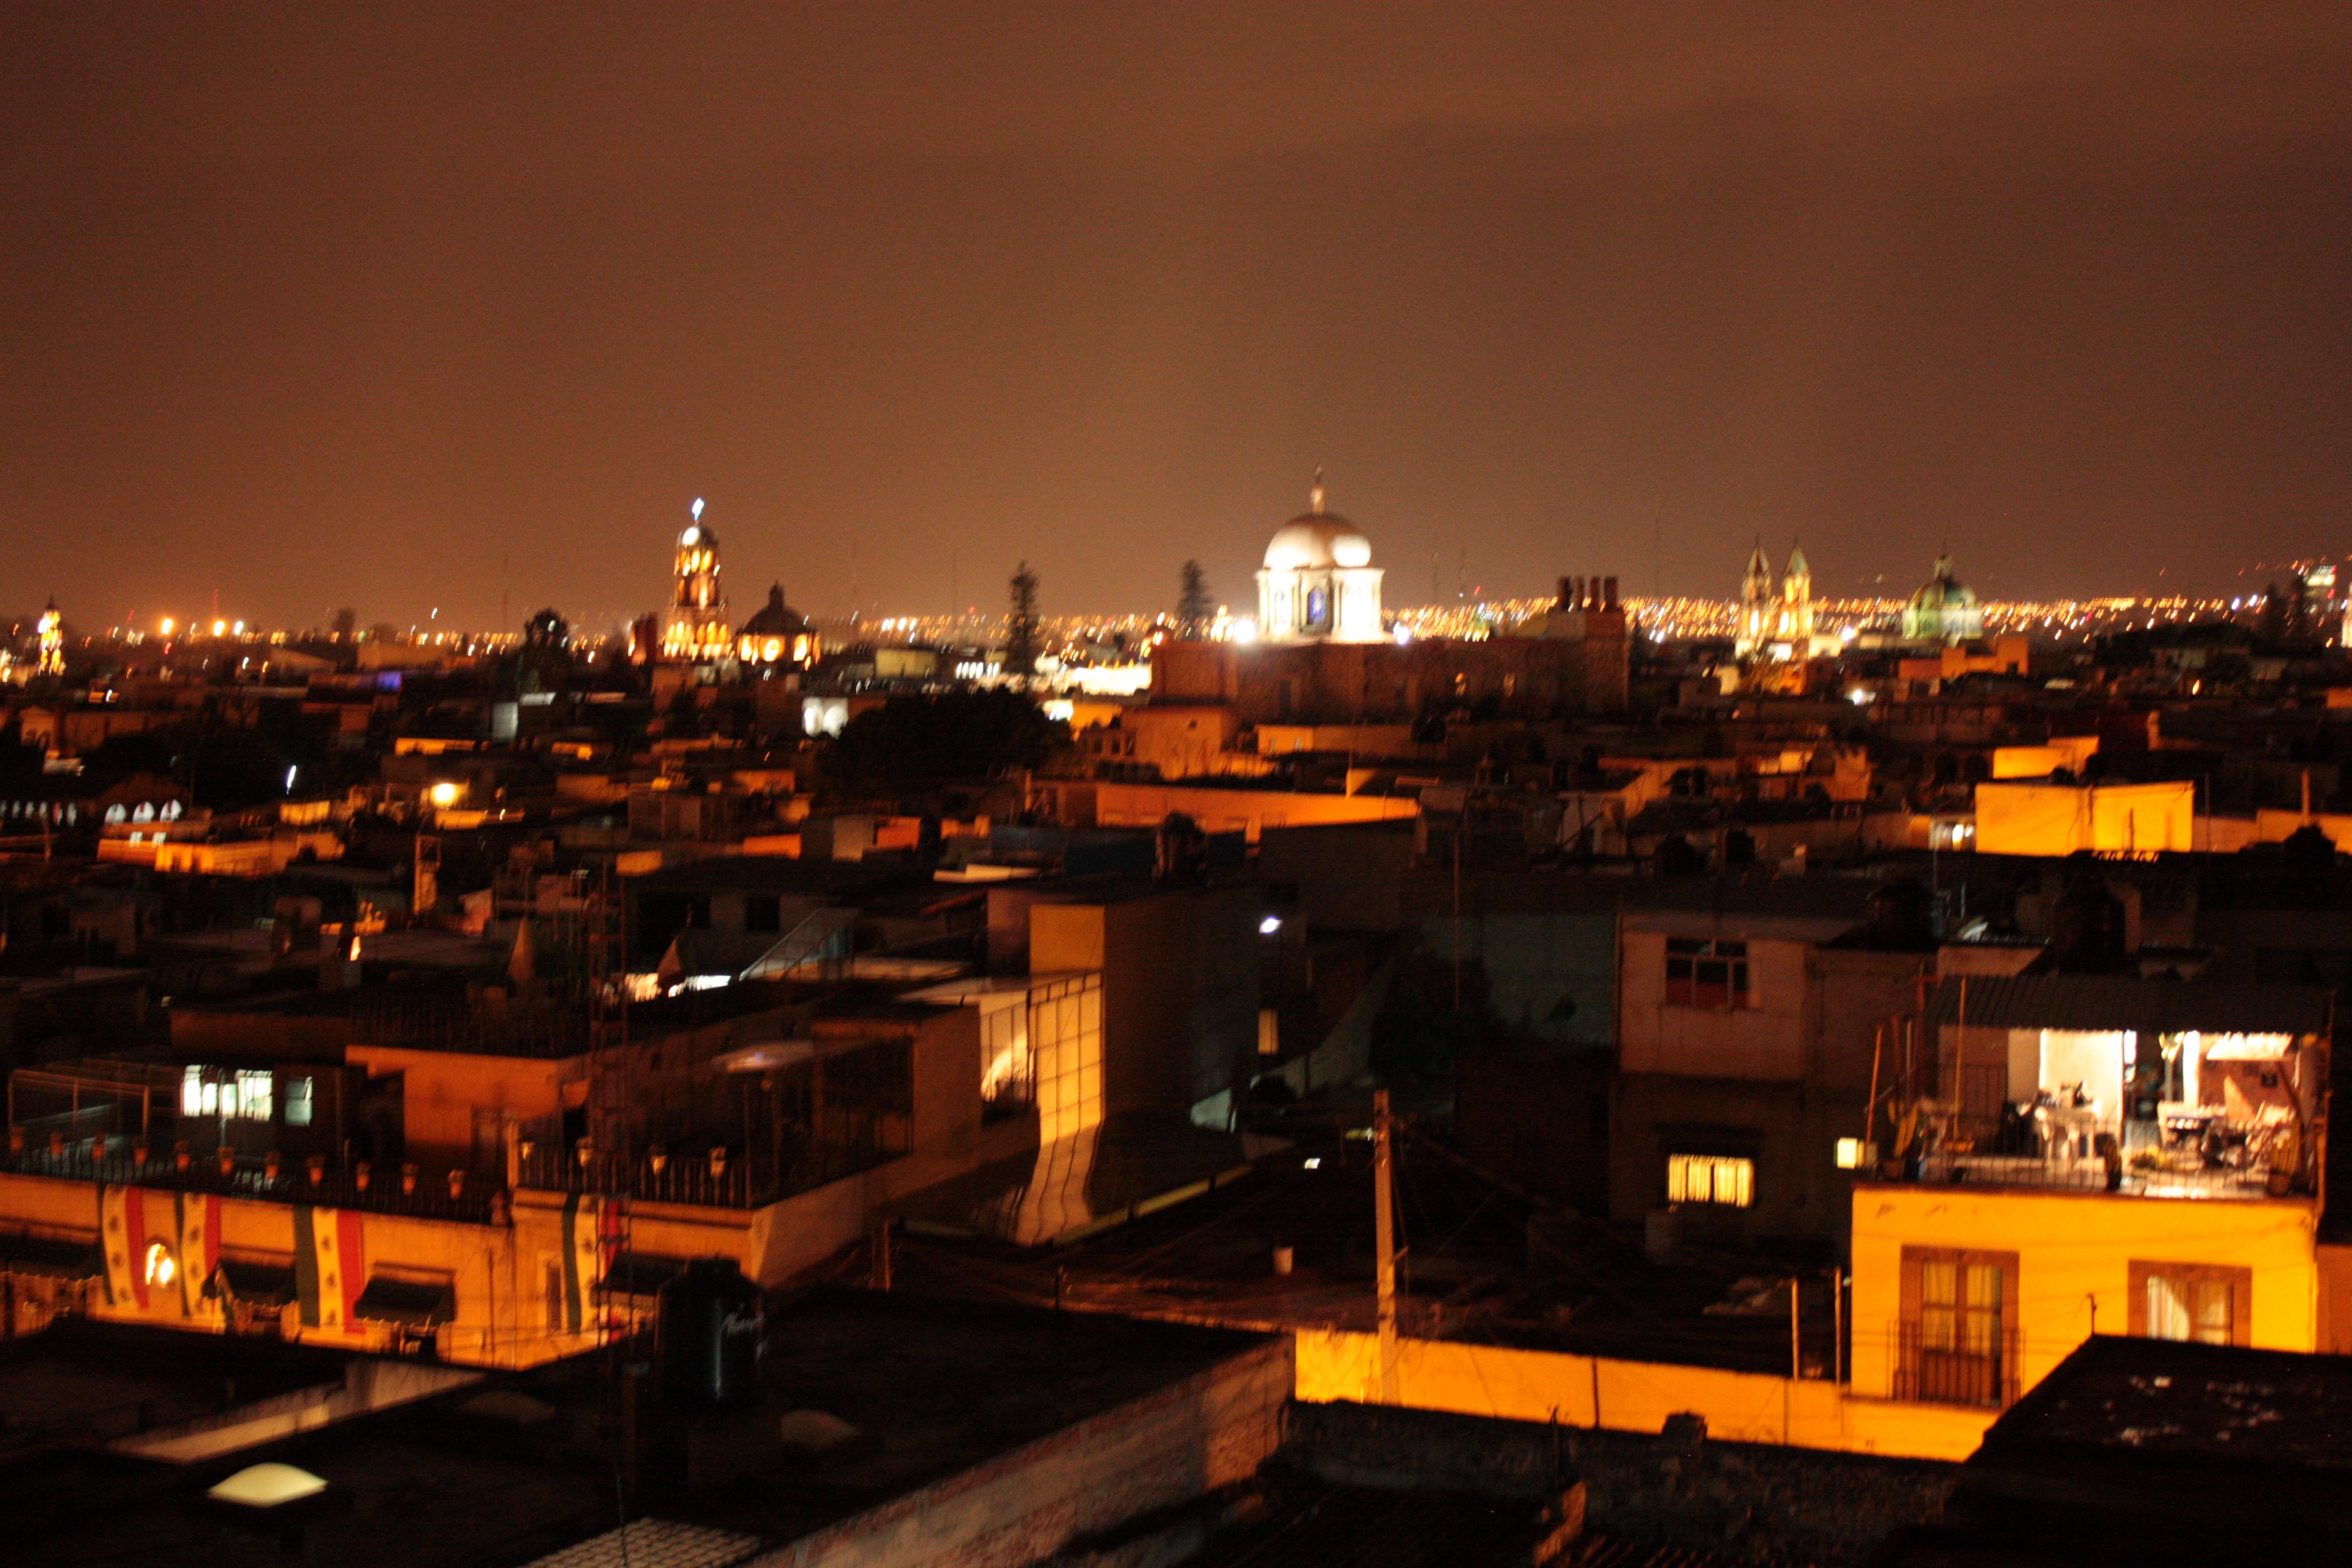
[(1384, 1244), (1796, 1350), (1837, 1325), (1461, 821)]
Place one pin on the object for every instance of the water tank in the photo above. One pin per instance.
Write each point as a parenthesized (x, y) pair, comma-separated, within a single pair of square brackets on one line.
[(711, 1333)]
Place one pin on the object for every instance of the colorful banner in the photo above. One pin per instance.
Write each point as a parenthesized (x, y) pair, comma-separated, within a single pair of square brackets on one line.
[(122, 1231), (199, 1230), (585, 1221), (330, 1265)]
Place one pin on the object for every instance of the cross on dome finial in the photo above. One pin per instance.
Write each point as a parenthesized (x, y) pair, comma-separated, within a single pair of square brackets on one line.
[(1314, 494)]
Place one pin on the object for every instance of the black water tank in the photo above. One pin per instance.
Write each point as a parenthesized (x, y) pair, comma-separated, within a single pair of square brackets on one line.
[(711, 1334)]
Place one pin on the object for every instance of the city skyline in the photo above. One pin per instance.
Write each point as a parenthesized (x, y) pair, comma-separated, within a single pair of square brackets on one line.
[(325, 311)]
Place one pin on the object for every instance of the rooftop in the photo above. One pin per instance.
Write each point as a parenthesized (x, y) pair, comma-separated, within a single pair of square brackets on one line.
[(473, 1478)]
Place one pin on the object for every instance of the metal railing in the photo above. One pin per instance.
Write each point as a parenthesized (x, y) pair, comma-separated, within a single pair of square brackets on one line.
[(2093, 1175), (376, 1192), (816, 949), (1934, 1373), (732, 1181)]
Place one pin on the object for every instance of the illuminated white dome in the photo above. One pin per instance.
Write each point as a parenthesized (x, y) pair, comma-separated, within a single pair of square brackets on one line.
[(1318, 582), (1317, 539)]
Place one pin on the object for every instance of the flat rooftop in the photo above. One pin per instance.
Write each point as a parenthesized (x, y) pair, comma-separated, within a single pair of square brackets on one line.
[(517, 1468)]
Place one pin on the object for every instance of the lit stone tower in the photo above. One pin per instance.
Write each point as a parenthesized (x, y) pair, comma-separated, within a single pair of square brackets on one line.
[(1318, 582), (1756, 612), (52, 658), (1796, 627), (695, 628)]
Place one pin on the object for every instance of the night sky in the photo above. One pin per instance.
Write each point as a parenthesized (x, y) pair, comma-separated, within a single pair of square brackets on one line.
[(427, 304)]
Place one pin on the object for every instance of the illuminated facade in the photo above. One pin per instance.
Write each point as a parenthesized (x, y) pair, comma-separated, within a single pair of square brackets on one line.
[(694, 628), (1318, 582), (52, 657), (1775, 623), (776, 637)]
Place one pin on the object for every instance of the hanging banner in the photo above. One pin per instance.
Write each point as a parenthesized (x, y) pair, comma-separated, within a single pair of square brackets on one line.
[(199, 1228), (329, 1264), (122, 1233), (584, 1219)]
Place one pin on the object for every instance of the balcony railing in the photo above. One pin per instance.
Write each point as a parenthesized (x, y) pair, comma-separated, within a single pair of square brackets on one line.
[(1936, 1373), (2094, 1175), (697, 1178), (424, 1195)]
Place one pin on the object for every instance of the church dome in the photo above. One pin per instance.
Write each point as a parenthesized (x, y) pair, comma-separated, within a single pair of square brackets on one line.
[(1943, 591), (1316, 540), (775, 618)]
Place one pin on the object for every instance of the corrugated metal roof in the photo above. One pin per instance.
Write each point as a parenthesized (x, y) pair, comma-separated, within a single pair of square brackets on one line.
[(2127, 1001)]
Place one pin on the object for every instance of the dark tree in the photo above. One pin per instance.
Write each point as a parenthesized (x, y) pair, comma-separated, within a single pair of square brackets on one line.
[(1020, 625), (912, 742), (1194, 607), (345, 624)]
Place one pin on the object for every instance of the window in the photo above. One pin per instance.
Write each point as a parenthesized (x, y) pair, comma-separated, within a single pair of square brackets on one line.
[(1726, 1179), (2192, 1301), (225, 1091), (1707, 973), (1954, 1344), (763, 912), (253, 1094), (298, 1101)]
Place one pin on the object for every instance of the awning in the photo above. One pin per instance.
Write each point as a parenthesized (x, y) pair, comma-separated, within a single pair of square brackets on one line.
[(255, 1284), (407, 1302), (2111, 1003), (46, 1258)]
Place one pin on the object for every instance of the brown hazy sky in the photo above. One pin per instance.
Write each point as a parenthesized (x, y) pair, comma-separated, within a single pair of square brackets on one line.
[(401, 307)]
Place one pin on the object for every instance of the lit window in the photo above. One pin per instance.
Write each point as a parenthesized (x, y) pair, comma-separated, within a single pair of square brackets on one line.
[(1702, 974), (253, 1096), (161, 1267), (1724, 1179), (298, 1101), (1955, 1342), (2187, 1301)]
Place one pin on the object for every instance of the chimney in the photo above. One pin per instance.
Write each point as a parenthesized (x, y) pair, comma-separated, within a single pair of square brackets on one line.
[(1609, 596), (1567, 595)]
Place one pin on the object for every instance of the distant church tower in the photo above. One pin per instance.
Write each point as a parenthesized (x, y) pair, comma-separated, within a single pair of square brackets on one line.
[(53, 642), (1756, 607), (695, 628), (1797, 602), (1775, 622)]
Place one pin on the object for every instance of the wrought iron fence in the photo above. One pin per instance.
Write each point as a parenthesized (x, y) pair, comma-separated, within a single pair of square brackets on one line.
[(1937, 1374), (2091, 1176), (417, 1193), (715, 1178)]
